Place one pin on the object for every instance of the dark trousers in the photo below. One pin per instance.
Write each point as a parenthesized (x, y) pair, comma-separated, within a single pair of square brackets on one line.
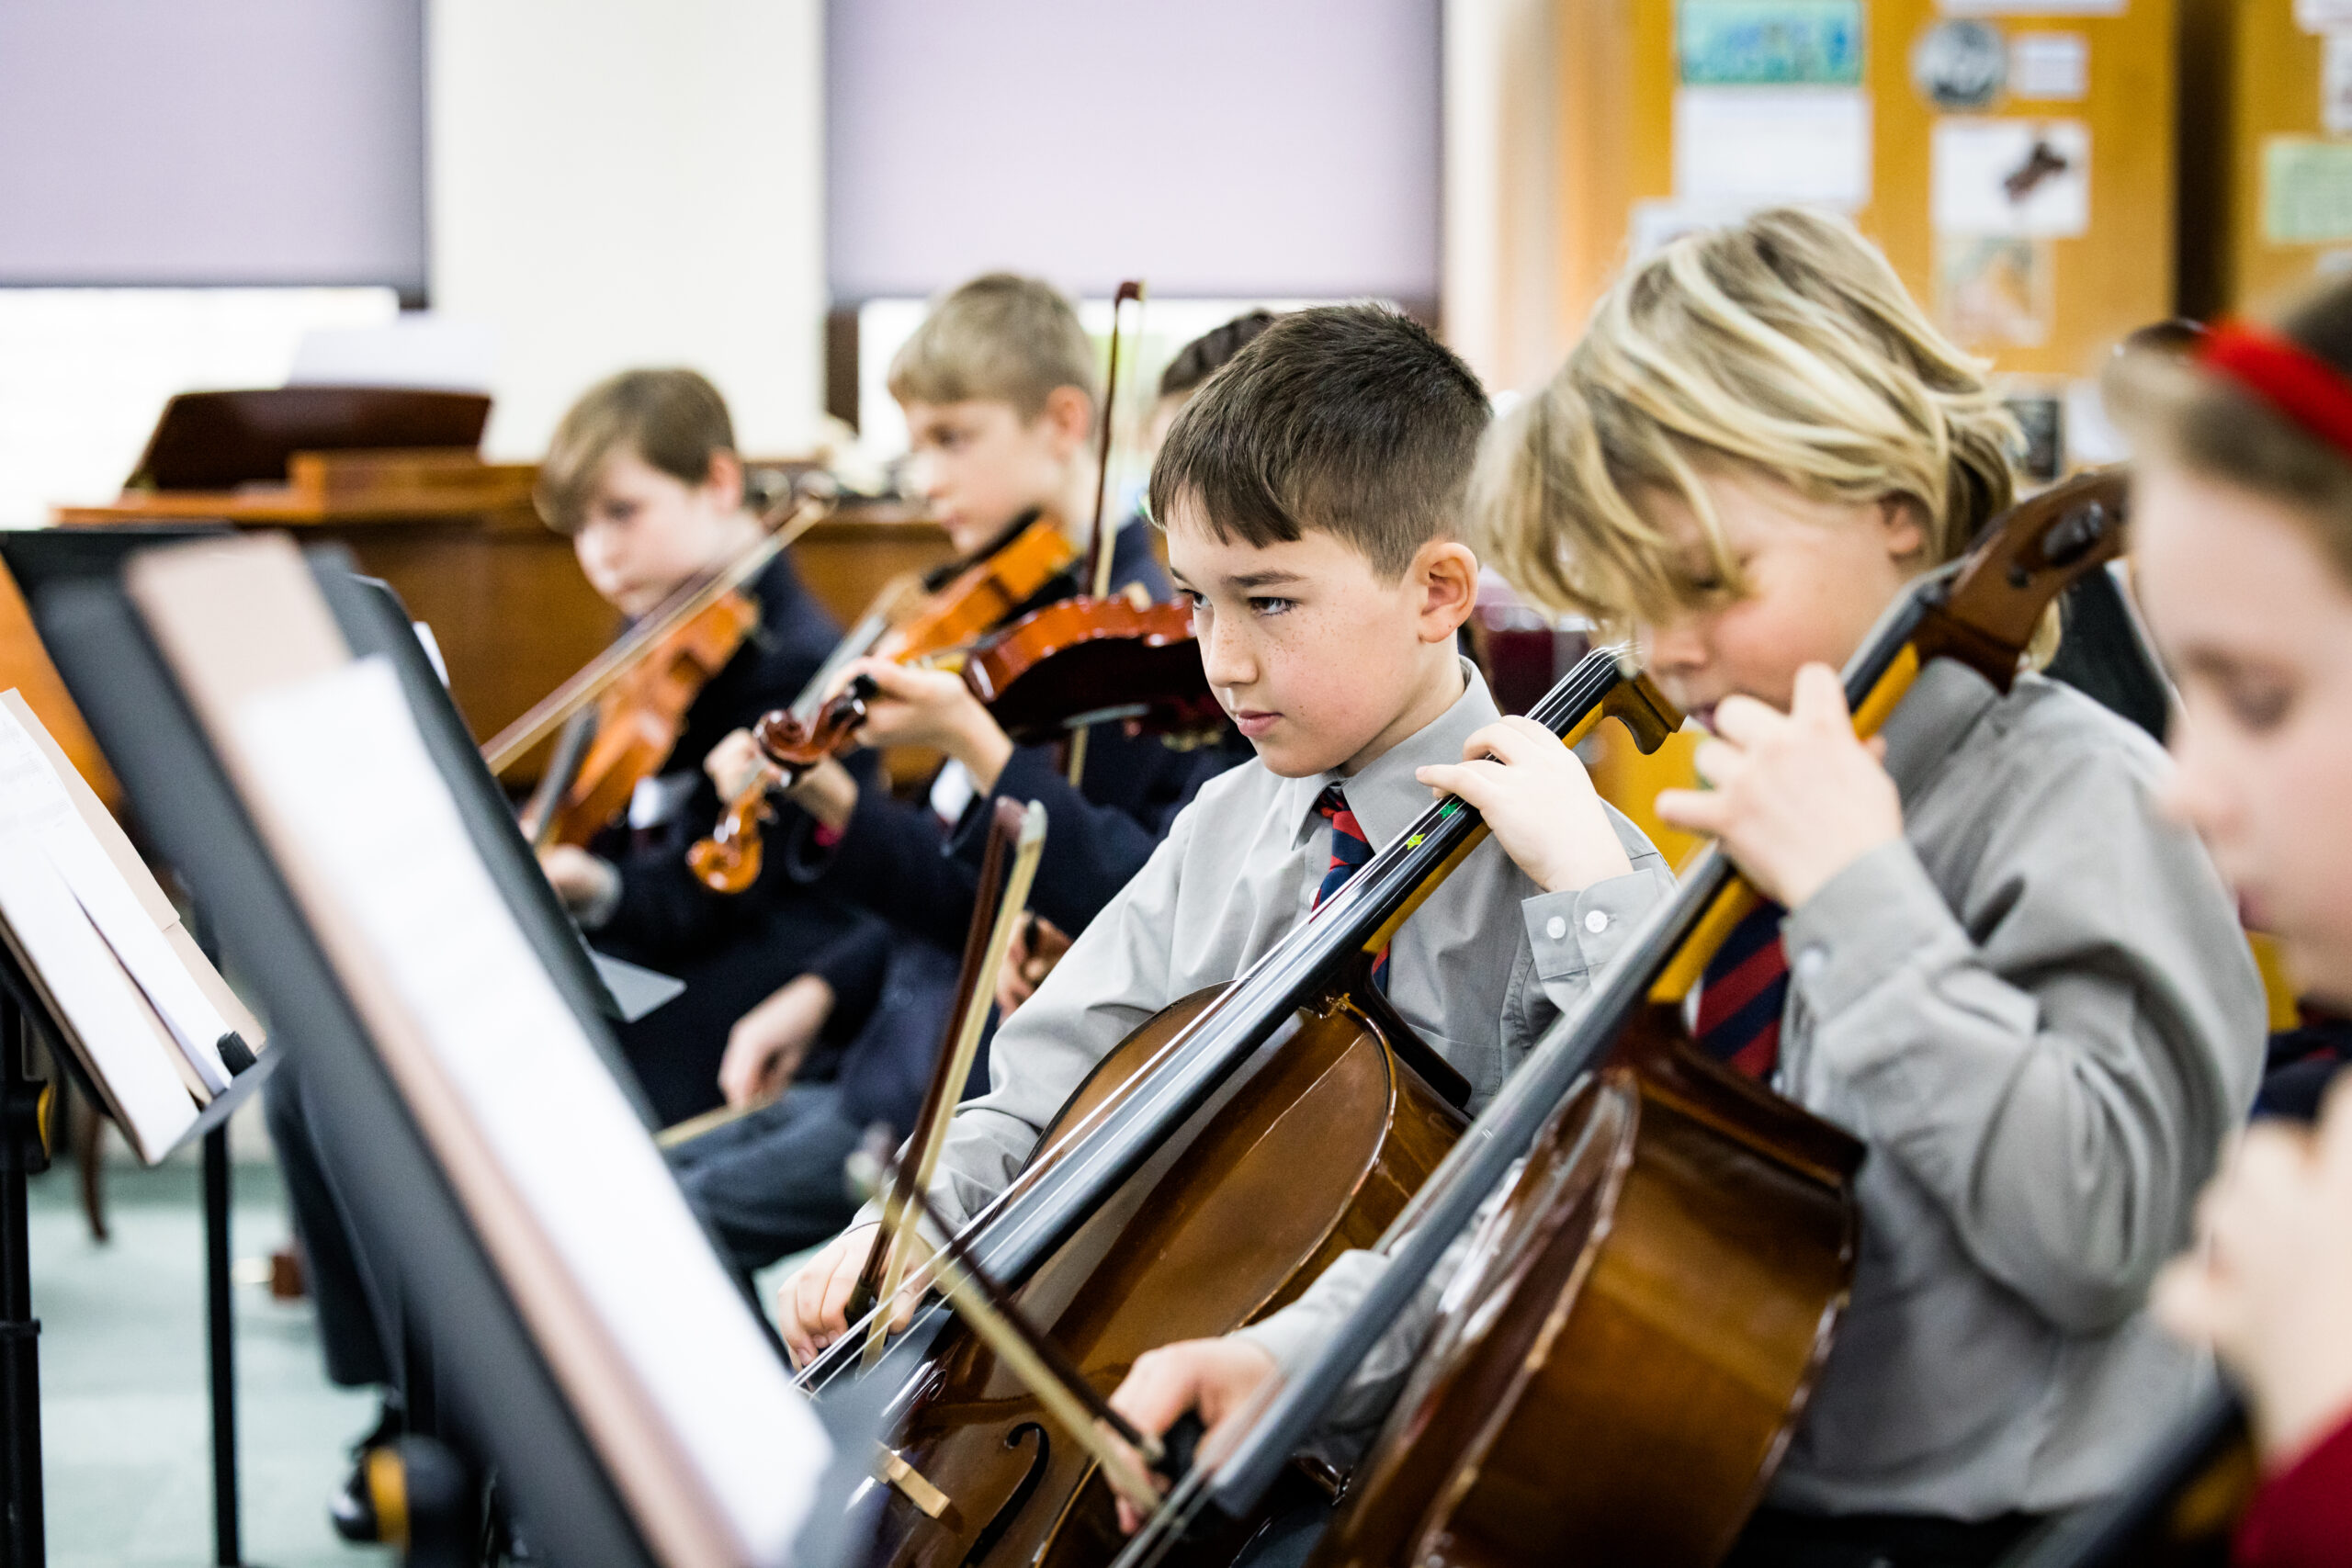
[(773, 1182), (1777, 1537), (349, 1334)]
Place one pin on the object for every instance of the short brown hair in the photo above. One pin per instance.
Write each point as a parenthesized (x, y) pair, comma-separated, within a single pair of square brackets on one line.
[(1784, 347), (1002, 338), (672, 419), (1207, 354), (1350, 420), (2214, 427)]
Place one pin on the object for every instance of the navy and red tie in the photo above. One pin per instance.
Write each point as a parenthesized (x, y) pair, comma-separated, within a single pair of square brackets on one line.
[(1743, 994), (1349, 850)]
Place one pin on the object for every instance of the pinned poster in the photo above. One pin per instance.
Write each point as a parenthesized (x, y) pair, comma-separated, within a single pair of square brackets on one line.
[(1994, 291), (2015, 178), (2306, 190), (1770, 43), (1740, 148)]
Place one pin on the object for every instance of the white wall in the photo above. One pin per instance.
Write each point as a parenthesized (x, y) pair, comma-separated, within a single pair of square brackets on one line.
[(1502, 184), (617, 182), (1218, 149)]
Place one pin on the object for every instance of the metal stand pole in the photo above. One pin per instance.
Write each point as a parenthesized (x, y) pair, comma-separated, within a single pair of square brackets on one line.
[(220, 1329), (21, 1154)]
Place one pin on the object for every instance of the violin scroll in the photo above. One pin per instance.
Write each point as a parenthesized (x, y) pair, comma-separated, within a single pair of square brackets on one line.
[(729, 860), (795, 746)]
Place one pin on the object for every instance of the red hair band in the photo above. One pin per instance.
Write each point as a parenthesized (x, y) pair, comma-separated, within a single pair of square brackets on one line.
[(2287, 376)]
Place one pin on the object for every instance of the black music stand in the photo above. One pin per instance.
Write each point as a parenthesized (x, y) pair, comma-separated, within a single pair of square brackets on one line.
[(24, 1153), (505, 1409), (37, 558)]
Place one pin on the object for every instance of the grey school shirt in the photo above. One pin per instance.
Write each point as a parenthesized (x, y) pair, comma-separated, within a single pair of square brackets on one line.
[(2038, 1012), (1478, 971)]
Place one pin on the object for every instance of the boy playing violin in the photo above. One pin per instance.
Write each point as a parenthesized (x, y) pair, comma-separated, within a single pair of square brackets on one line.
[(997, 386), (642, 476), (2242, 557), (1311, 496), (2002, 968)]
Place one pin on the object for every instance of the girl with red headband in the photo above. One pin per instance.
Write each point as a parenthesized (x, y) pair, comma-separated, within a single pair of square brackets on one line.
[(2242, 533)]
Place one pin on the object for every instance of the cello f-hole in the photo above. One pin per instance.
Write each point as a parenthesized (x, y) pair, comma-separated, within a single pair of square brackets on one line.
[(1003, 1521)]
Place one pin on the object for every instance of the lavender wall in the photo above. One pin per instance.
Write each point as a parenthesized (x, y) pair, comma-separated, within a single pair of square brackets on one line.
[(205, 142), (1221, 148)]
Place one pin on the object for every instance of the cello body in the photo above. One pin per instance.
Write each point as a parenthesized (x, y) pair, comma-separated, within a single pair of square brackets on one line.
[(1310, 1151), (1628, 1346)]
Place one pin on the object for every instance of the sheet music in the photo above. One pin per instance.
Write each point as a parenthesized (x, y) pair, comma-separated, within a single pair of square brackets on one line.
[(34, 807), (342, 765), (98, 999)]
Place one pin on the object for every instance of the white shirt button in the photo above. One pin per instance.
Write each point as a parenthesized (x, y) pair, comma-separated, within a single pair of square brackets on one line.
[(1556, 927), (1810, 962), (1595, 921)]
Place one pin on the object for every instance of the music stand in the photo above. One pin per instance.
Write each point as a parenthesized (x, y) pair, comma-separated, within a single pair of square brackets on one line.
[(37, 558), (508, 1410), (214, 441)]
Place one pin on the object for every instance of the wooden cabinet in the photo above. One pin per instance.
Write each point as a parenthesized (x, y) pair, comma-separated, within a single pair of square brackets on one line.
[(458, 540)]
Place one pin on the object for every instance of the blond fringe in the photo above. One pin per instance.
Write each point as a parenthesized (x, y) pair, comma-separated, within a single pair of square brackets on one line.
[(1785, 345)]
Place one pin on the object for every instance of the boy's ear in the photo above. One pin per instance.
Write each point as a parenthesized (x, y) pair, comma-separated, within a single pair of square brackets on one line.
[(1445, 572), (1070, 413), (1903, 523), (725, 480)]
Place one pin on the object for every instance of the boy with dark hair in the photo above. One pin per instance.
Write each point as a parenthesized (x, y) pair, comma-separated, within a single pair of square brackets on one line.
[(1311, 497)]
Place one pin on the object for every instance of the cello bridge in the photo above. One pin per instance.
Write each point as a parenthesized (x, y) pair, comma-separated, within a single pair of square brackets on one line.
[(912, 1486)]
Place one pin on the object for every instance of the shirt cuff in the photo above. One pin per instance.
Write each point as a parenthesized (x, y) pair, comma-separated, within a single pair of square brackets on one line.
[(598, 911), (2302, 1517), (1866, 923), (1288, 1335), (1582, 929)]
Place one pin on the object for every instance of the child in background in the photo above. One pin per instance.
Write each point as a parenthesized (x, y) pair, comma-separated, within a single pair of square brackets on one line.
[(994, 384), (2242, 525), (643, 477)]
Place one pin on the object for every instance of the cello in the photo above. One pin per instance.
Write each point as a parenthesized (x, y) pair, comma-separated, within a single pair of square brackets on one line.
[(1622, 1356), (1205, 1170)]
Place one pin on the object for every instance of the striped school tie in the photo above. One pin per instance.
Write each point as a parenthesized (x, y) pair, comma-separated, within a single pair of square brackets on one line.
[(1744, 992), (1349, 850)]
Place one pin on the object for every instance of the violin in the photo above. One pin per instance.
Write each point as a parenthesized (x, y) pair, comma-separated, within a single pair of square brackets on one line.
[(729, 861), (1085, 662), (906, 622), (1208, 1168), (639, 689), (1620, 1364)]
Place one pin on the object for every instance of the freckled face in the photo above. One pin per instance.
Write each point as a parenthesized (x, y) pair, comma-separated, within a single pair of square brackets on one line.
[(2255, 625), (1303, 644), (1816, 576)]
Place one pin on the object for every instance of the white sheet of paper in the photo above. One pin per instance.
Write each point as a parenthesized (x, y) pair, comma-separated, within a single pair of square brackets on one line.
[(1972, 162), (343, 764), (33, 801), (1742, 148), (98, 1000), (2038, 7), (2050, 67)]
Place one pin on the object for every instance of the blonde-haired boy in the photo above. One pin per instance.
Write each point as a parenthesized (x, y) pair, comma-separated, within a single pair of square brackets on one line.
[(2000, 965)]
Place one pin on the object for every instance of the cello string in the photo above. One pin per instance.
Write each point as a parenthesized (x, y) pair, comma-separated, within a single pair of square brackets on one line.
[(1148, 1091)]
